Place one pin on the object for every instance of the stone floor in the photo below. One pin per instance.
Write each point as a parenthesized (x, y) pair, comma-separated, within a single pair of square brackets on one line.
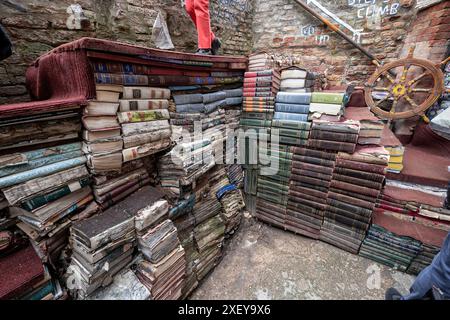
[(262, 262)]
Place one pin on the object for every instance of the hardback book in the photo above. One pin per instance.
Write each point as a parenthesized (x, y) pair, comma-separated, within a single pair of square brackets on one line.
[(145, 93), (105, 162), (37, 201), (108, 93), (325, 108), (296, 73), (144, 138), (327, 97), (145, 150), (100, 123), (296, 84), (294, 98), (135, 105), (103, 146), (99, 135), (142, 116), (129, 129), (24, 190), (101, 108), (101, 229)]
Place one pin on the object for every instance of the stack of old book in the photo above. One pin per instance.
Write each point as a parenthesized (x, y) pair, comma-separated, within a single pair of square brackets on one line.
[(45, 189), (184, 164), (235, 175), (295, 79), (232, 204), (273, 184), (395, 148), (209, 231), (250, 188), (334, 136), (102, 245), (308, 190), (163, 269), (144, 119), (291, 116), (423, 259), (389, 248), (182, 216), (371, 127), (327, 105), (113, 187), (260, 61), (355, 186), (103, 142)]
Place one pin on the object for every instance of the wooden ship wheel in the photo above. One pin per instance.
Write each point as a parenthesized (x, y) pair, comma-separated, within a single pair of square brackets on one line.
[(404, 88)]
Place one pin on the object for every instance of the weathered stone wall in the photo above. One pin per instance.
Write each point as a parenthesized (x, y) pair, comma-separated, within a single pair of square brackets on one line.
[(45, 24), (293, 35)]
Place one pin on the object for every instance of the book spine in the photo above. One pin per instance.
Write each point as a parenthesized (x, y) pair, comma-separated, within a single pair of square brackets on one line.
[(331, 98), (259, 99), (333, 136), (360, 166), (136, 105), (121, 79), (312, 174), (143, 116), (291, 98), (144, 150), (312, 181), (314, 153), (289, 124), (144, 138), (332, 145), (292, 108), (313, 160), (191, 108), (351, 200), (355, 188), (291, 116), (360, 174), (40, 171), (41, 200)]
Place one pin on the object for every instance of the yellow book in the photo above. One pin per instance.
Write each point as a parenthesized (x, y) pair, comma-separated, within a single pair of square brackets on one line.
[(395, 166)]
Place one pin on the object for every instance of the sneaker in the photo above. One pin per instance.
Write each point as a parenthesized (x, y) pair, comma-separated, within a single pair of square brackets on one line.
[(215, 46), (205, 52), (393, 294)]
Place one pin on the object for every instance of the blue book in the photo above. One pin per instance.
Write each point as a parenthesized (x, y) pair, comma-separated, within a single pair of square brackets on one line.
[(290, 116), (191, 108), (294, 98), (188, 98), (292, 108)]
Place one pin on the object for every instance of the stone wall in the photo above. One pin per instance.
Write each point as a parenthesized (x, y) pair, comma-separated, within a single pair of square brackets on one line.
[(36, 26), (293, 35)]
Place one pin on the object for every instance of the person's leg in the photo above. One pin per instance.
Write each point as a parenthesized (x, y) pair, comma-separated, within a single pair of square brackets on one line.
[(189, 4), (203, 23)]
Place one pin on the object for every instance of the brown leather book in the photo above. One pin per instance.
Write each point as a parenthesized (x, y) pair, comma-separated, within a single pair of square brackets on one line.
[(366, 167), (351, 200)]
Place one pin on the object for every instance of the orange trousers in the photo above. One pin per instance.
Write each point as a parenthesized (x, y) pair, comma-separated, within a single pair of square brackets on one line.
[(199, 12)]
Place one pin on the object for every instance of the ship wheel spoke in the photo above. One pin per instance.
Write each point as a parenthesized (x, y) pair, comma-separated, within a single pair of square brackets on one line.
[(405, 72), (411, 102), (421, 90), (383, 100), (388, 76), (419, 78), (381, 89), (394, 105)]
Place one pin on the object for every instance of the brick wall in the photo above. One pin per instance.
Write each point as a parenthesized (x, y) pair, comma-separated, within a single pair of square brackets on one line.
[(293, 35), (45, 24)]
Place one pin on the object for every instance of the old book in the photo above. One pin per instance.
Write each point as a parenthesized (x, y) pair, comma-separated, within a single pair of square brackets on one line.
[(290, 116), (129, 129), (105, 162), (145, 93), (325, 108), (159, 241), (135, 105), (360, 174), (332, 145), (292, 108), (99, 135), (360, 166), (144, 138), (108, 93), (291, 124), (142, 116), (122, 191), (358, 181), (109, 145), (334, 136), (338, 127), (327, 97), (351, 200), (294, 98), (40, 200), (287, 84), (101, 123), (101, 108), (145, 150), (49, 169)]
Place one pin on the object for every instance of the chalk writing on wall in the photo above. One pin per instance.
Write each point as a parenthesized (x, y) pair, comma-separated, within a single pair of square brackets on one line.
[(309, 31), (374, 8)]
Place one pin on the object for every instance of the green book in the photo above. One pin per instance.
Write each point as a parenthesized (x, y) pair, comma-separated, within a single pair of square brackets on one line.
[(302, 134), (40, 200), (255, 122), (327, 97), (290, 124)]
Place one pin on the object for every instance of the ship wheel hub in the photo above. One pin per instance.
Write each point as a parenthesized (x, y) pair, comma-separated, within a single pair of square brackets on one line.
[(399, 90)]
